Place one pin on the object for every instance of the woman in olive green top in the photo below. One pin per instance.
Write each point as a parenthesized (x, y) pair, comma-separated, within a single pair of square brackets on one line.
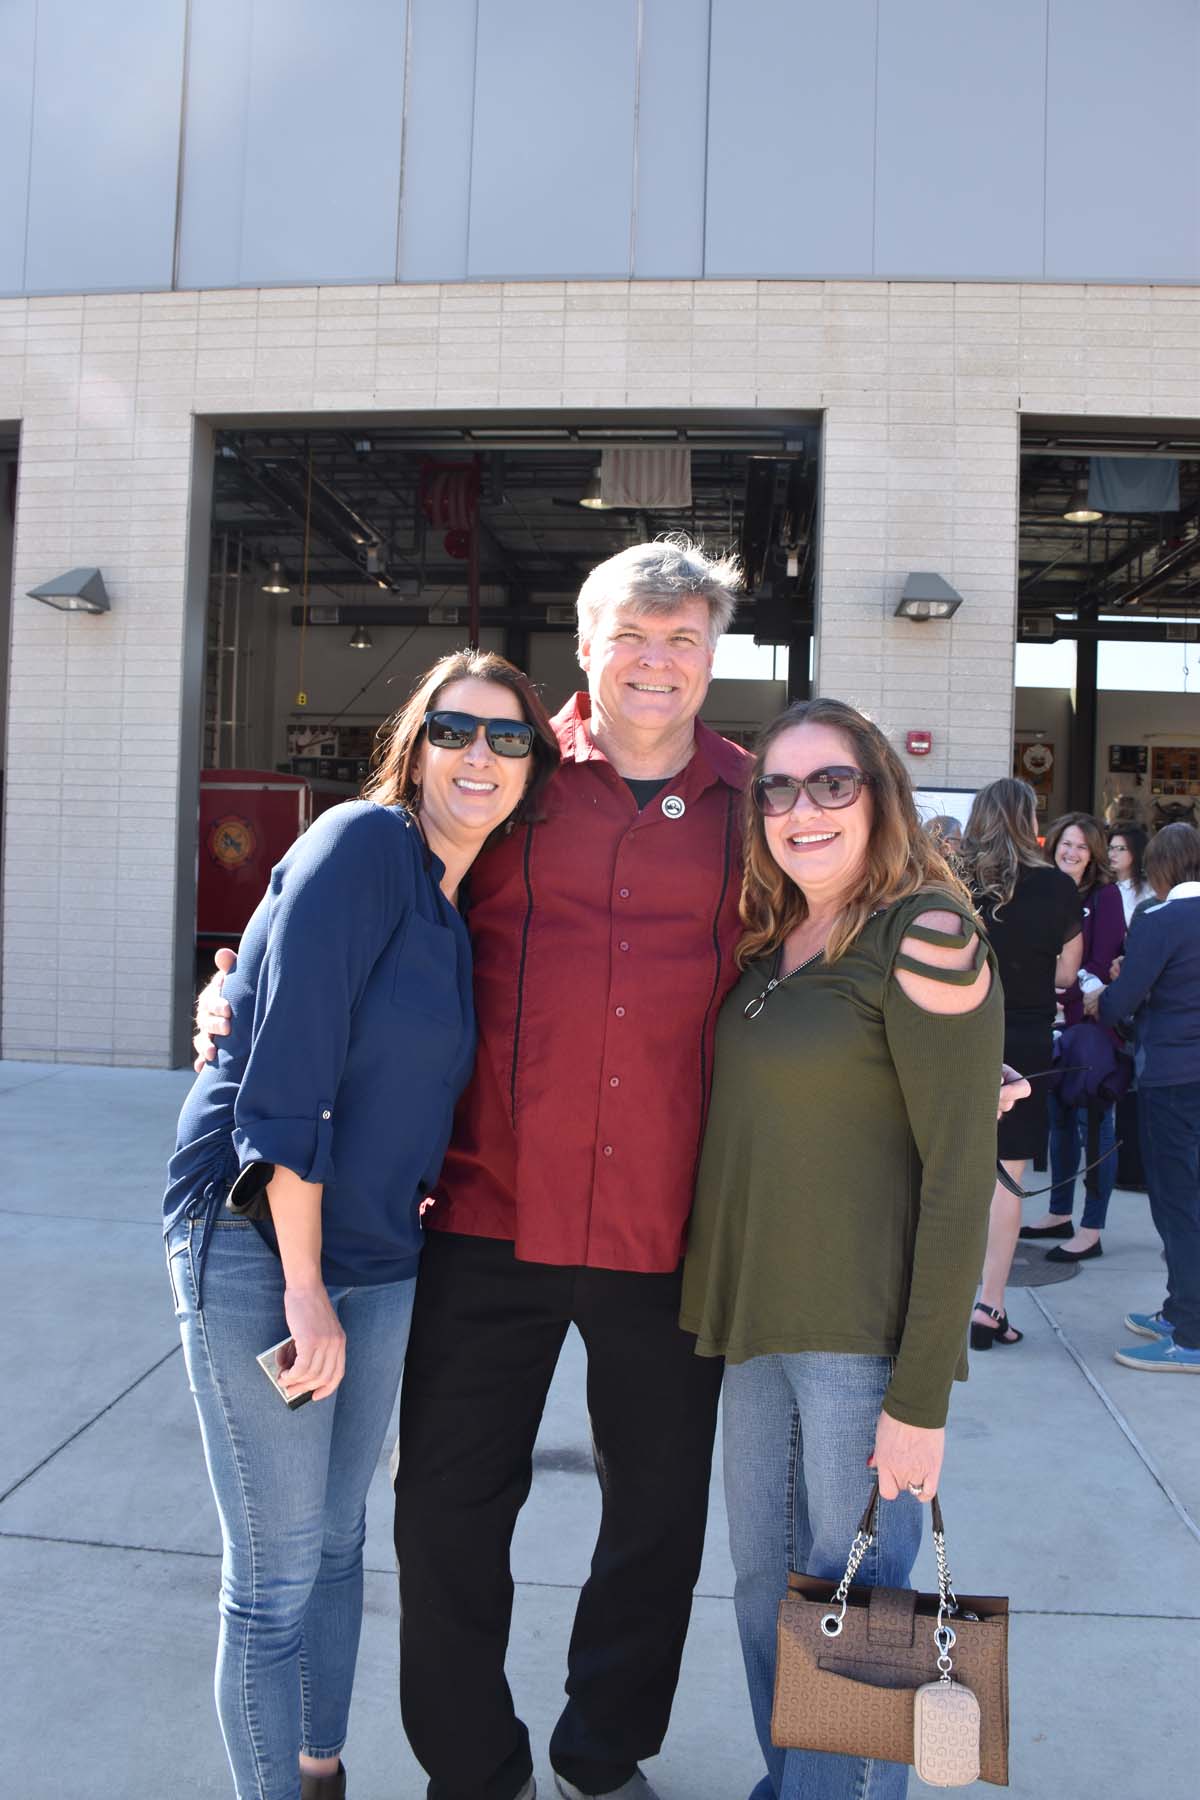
[(843, 1195)]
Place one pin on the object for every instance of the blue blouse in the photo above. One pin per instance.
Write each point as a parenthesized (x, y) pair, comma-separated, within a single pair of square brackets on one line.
[(352, 1036)]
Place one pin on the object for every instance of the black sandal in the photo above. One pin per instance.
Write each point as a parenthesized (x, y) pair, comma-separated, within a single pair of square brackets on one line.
[(984, 1336)]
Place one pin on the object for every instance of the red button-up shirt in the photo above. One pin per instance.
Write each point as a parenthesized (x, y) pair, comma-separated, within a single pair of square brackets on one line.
[(603, 941)]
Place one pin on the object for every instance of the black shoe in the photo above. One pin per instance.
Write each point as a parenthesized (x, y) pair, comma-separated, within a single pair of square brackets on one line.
[(984, 1336), (1065, 1230), (324, 1787), (1058, 1254)]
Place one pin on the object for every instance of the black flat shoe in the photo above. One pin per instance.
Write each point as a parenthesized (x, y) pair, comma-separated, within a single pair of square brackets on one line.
[(1059, 1254), (324, 1787), (1047, 1231), (984, 1336)]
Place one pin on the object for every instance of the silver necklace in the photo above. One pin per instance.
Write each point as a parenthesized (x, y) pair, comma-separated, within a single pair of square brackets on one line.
[(753, 1007)]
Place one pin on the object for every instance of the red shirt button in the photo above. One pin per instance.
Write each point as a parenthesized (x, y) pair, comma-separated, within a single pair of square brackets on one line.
[(608, 1149), (614, 1081), (624, 893), (622, 945), (620, 1012)]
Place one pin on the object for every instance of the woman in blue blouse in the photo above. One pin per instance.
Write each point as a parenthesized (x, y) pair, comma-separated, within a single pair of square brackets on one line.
[(293, 1201)]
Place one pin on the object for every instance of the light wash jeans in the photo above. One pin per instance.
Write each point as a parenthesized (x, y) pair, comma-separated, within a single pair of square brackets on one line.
[(291, 1493), (798, 1431)]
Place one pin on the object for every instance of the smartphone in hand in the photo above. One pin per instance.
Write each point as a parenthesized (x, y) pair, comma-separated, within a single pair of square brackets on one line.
[(275, 1364)]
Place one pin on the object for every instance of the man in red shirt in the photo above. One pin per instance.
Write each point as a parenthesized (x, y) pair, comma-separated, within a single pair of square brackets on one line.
[(603, 939)]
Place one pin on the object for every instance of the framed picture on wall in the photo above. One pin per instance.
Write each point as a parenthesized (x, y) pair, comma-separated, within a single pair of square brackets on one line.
[(1033, 761)]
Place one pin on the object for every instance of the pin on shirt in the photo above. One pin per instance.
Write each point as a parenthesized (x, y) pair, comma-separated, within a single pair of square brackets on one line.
[(673, 807)]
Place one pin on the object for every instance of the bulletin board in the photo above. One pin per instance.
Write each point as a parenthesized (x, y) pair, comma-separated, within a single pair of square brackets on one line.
[(1175, 770)]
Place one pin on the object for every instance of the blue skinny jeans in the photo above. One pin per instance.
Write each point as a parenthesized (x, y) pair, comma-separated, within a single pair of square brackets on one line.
[(291, 1490), (1068, 1149), (797, 1433)]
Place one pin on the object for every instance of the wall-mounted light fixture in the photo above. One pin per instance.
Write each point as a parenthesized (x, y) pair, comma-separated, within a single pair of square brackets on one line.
[(927, 596), (276, 582), (362, 639), (79, 590)]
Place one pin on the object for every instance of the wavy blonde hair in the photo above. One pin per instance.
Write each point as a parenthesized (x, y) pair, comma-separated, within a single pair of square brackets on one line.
[(901, 858), (1000, 840)]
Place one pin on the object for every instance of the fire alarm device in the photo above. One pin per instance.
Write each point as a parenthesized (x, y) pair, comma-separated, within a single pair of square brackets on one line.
[(919, 743)]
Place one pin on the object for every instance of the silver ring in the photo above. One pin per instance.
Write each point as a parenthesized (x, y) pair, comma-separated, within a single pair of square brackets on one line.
[(916, 1489)]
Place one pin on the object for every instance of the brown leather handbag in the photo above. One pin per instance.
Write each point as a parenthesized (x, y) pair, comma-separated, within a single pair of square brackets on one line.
[(881, 1672)]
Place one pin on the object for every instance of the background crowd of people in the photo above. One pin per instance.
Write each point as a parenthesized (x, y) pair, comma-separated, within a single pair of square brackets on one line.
[(1061, 914)]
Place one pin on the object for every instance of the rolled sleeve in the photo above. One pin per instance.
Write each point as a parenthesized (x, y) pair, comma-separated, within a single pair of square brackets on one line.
[(303, 1145), (334, 903)]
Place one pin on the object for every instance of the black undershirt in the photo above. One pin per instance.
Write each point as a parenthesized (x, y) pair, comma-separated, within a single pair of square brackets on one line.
[(644, 791)]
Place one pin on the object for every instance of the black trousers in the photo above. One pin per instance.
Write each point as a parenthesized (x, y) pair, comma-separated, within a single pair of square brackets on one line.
[(486, 1335)]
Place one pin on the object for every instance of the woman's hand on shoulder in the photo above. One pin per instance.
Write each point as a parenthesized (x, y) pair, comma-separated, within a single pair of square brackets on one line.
[(213, 1012), (936, 995), (907, 1457)]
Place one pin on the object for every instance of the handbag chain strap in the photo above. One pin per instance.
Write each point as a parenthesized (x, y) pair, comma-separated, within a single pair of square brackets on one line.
[(944, 1635), (831, 1622)]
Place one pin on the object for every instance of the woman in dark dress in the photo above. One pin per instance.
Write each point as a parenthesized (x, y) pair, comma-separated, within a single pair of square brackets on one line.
[(1076, 845), (1031, 914)]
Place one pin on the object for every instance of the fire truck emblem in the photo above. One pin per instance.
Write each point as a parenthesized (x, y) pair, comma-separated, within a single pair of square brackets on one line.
[(231, 841)]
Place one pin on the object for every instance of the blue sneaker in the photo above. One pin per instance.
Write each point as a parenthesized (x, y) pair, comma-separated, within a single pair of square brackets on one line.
[(1165, 1357), (1151, 1325)]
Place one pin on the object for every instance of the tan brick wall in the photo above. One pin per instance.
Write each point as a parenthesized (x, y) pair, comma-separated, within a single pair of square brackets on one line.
[(921, 385)]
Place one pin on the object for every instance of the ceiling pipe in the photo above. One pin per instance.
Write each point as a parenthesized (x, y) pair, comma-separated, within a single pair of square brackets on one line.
[(1118, 631)]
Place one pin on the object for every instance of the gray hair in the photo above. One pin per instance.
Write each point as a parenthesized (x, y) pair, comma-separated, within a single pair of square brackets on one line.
[(657, 578)]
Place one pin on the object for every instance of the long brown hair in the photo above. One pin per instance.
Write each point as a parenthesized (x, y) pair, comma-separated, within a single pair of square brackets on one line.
[(1000, 840), (901, 858), (392, 780), (1097, 874)]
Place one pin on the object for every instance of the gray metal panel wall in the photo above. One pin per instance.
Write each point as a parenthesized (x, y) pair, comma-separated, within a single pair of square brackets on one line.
[(791, 133), (672, 132), (960, 160), (552, 158), (436, 211), (292, 154), (1123, 141), (214, 162), (17, 33), (105, 144), (542, 139)]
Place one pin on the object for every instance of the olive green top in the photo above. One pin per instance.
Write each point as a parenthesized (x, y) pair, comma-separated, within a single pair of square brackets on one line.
[(848, 1165)]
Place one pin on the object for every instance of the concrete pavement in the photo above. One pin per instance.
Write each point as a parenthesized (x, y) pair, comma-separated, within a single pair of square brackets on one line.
[(1072, 1484)]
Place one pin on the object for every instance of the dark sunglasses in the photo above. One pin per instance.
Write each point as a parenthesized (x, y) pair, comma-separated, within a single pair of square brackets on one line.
[(827, 788), (455, 730)]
